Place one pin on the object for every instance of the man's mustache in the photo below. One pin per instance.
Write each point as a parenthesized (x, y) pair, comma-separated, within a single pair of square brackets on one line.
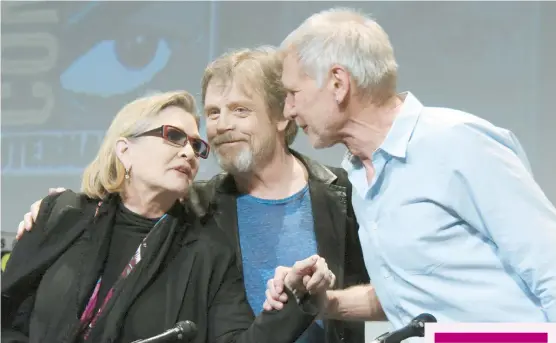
[(226, 138)]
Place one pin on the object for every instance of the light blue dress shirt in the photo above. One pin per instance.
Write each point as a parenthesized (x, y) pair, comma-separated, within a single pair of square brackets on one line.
[(453, 223)]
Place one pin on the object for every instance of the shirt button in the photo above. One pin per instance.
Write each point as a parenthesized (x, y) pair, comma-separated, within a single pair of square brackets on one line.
[(385, 271)]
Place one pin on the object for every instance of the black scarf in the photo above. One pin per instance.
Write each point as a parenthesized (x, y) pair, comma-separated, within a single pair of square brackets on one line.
[(158, 245)]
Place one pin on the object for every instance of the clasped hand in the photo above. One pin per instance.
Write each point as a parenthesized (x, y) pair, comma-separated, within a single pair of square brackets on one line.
[(310, 275)]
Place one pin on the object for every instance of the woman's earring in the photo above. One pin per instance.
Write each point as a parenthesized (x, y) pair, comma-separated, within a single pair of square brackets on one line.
[(126, 176)]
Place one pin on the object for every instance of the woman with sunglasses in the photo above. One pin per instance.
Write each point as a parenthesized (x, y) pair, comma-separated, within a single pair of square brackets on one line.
[(127, 260)]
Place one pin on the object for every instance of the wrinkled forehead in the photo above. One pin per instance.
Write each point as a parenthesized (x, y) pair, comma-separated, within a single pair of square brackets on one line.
[(292, 69), (233, 88)]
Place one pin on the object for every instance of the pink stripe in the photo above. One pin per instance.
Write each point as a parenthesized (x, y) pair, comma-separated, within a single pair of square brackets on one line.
[(491, 337), (91, 304)]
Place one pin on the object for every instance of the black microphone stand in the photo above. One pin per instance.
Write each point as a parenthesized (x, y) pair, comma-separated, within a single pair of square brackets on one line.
[(416, 328), (184, 331)]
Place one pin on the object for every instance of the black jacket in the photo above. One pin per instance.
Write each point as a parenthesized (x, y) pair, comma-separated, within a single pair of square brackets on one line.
[(336, 229), (196, 278)]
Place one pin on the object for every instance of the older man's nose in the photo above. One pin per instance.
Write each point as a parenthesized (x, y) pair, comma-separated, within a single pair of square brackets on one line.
[(289, 112)]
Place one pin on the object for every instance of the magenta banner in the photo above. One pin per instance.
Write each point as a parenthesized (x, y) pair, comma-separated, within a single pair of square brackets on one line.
[(491, 337), (490, 333)]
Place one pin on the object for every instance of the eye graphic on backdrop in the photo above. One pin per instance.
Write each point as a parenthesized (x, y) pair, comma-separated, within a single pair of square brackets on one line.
[(118, 66), (139, 49), (110, 53)]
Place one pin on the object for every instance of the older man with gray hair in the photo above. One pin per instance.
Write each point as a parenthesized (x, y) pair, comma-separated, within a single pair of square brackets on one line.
[(442, 197)]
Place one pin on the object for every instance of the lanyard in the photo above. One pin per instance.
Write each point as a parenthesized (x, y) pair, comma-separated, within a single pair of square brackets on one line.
[(88, 319)]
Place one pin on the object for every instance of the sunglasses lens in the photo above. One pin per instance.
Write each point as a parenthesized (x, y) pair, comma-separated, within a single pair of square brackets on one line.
[(200, 147), (176, 136), (180, 138)]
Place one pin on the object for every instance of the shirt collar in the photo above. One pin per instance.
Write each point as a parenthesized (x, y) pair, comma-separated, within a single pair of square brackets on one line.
[(397, 139), (400, 133)]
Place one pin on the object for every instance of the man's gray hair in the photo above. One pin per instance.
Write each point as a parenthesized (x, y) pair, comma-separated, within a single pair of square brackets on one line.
[(349, 38)]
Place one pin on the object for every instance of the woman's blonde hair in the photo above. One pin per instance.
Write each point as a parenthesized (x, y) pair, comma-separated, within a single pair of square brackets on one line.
[(106, 173)]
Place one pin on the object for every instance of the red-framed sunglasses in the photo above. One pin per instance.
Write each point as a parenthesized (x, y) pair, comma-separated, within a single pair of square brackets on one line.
[(178, 137)]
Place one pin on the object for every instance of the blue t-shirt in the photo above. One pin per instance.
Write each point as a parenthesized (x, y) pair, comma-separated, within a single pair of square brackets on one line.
[(275, 233)]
